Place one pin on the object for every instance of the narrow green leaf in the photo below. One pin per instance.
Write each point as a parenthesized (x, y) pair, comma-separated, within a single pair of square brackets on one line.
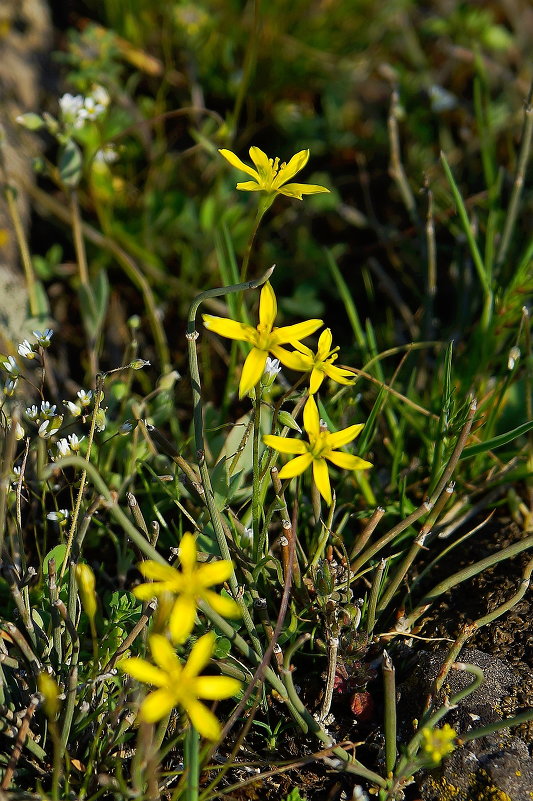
[(497, 442), (70, 164)]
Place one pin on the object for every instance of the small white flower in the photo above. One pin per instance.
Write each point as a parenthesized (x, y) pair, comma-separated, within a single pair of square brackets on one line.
[(71, 108), (514, 357), (59, 517), (10, 386), (74, 442), (26, 350), (70, 104), (32, 412), (11, 366), (48, 428), (247, 537), (272, 366), (73, 408), (47, 410), (126, 428), (42, 429), (91, 109), (63, 447), (101, 96), (106, 155), (44, 337), (19, 431), (16, 470), (85, 397)]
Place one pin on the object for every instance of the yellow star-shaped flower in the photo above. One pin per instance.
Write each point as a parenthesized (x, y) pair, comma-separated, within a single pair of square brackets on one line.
[(189, 586), (321, 446), (179, 684), (272, 178), (264, 338), (319, 364)]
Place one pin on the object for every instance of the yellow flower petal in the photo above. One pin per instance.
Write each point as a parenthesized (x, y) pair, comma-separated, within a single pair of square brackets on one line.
[(214, 688), (292, 359), (311, 418), (155, 570), (338, 374), (214, 572), (236, 162), (200, 655), (297, 190), (182, 618), (268, 307), (287, 172), (250, 186), (296, 466), (340, 438), (230, 328), (315, 381), (321, 476), (145, 592), (226, 607), (262, 163), (142, 670), (348, 461), (203, 720), (292, 333), (305, 351), (164, 654), (324, 344), (252, 370), (187, 552), (285, 444), (157, 705)]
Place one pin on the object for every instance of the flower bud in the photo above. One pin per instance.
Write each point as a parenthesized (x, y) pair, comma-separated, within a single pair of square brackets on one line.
[(86, 583), (49, 689)]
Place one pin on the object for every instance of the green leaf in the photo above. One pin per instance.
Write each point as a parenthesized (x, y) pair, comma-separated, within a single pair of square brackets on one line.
[(70, 164), (31, 121), (288, 420), (57, 553), (294, 795), (497, 442)]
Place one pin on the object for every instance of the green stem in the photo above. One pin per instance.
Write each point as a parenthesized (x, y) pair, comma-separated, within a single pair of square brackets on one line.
[(198, 423), (192, 764), (263, 207), (512, 210), (25, 256), (256, 479), (389, 690), (76, 512)]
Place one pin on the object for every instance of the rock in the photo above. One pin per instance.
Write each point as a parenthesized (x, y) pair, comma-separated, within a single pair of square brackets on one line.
[(25, 35), (497, 767)]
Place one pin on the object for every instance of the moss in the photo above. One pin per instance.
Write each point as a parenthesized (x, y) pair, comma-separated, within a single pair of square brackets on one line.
[(479, 788)]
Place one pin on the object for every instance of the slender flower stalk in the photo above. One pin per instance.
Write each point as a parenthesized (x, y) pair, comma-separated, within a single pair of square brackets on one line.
[(319, 364), (263, 339), (322, 445), (271, 177), (179, 684), (189, 585)]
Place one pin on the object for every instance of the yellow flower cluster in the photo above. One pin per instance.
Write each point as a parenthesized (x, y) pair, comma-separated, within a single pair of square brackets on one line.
[(178, 683), (266, 339), (438, 743)]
